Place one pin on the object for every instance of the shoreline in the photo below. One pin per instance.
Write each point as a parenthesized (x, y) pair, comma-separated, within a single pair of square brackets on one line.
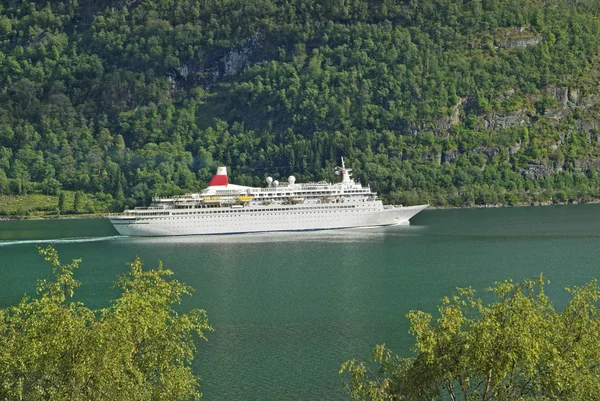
[(86, 216), (501, 205), (490, 206)]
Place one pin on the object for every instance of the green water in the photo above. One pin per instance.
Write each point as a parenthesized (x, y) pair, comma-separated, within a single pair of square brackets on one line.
[(288, 309)]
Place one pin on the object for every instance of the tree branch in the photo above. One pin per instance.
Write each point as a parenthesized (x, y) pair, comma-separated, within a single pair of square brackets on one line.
[(487, 385), (451, 390)]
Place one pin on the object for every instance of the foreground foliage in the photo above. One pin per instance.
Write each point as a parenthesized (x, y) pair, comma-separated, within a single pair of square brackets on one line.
[(140, 348), (515, 348)]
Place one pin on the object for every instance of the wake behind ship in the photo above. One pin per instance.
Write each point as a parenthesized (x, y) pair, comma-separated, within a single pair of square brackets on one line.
[(225, 208)]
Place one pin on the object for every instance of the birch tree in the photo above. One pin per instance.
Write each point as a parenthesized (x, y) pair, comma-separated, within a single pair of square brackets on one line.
[(55, 348), (518, 347)]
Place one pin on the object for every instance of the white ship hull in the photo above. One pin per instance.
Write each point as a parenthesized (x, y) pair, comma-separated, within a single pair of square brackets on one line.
[(231, 220), (224, 208)]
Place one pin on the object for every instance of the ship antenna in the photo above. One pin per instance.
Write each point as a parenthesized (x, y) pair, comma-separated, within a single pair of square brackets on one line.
[(345, 173)]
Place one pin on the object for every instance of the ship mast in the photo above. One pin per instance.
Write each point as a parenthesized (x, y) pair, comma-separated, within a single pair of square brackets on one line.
[(345, 173)]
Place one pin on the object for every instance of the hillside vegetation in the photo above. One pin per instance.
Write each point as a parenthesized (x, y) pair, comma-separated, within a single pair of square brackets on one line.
[(448, 102)]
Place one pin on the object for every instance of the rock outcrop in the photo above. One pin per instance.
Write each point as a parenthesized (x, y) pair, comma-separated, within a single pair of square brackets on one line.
[(563, 110)]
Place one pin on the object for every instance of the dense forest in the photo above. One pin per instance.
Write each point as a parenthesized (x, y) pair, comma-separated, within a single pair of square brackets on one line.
[(455, 103)]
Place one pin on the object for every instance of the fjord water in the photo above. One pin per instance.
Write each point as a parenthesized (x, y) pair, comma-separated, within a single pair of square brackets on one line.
[(289, 308)]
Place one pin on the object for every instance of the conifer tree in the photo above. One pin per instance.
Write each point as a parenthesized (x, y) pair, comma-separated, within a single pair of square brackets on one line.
[(77, 202), (61, 203)]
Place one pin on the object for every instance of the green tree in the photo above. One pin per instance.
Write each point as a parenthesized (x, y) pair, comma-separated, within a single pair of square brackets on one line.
[(77, 202), (139, 348), (4, 189), (515, 348), (61, 203)]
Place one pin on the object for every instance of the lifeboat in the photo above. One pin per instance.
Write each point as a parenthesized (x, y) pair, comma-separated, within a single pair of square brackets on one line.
[(244, 198), (296, 199), (211, 200)]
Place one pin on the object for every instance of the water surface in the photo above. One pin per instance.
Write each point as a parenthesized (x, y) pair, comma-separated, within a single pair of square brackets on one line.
[(289, 308)]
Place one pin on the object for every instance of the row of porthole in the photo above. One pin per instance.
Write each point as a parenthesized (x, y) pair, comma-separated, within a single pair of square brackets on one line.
[(254, 215), (254, 218), (261, 214), (242, 218), (237, 212), (247, 215)]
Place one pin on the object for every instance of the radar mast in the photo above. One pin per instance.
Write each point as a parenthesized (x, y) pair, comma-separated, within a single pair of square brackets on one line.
[(345, 172)]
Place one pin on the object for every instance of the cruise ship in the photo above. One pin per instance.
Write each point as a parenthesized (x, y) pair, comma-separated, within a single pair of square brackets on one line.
[(224, 208)]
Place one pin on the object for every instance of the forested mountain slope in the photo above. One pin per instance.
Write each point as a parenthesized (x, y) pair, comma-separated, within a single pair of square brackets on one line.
[(451, 102)]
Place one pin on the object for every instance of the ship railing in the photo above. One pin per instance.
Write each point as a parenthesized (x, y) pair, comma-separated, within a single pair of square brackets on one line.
[(119, 214), (152, 207)]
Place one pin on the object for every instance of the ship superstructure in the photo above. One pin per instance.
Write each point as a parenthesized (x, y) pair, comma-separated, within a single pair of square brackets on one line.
[(224, 208)]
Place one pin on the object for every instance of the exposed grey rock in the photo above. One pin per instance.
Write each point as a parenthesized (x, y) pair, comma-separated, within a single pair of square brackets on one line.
[(215, 67), (587, 125), (573, 95), (442, 124), (455, 116), (499, 121), (489, 151), (393, 154), (514, 148), (438, 127), (561, 94), (586, 163), (581, 164), (237, 59), (536, 170), (450, 156), (435, 157), (183, 70), (172, 81), (556, 114), (591, 125), (511, 43), (568, 100), (588, 101)]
